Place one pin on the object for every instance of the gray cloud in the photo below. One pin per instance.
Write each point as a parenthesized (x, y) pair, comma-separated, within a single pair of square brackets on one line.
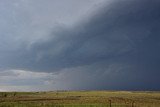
[(115, 48)]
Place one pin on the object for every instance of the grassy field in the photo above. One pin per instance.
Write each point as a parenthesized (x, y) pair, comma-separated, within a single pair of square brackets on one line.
[(80, 99)]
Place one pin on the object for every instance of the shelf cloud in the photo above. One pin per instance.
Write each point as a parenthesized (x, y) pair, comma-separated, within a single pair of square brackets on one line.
[(95, 45)]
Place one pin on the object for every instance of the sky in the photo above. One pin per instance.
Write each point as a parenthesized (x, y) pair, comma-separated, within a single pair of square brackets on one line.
[(50, 45)]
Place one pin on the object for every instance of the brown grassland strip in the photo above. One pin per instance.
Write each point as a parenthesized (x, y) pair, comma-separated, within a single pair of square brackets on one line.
[(127, 98)]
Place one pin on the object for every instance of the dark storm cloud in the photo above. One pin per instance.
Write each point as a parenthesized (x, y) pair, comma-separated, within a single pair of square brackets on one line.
[(118, 47)]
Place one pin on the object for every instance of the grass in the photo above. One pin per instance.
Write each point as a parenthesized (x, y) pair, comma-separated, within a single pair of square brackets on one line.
[(80, 99)]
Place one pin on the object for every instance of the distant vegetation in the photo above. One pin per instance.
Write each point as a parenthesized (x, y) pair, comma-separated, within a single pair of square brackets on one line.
[(80, 99)]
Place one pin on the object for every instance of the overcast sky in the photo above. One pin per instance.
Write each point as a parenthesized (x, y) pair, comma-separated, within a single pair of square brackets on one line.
[(79, 45)]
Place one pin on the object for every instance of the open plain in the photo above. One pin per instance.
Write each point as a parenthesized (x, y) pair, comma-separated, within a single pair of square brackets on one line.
[(80, 99)]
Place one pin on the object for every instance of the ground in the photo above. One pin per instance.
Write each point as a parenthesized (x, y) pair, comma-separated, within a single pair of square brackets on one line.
[(80, 99)]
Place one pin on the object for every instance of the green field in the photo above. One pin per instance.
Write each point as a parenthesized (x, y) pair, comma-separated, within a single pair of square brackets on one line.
[(80, 99)]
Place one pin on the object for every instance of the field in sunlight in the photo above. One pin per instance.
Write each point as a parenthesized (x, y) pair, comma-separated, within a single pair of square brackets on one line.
[(80, 99)]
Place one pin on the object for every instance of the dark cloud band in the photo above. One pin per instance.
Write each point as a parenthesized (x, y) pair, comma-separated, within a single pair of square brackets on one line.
[(122, 39)]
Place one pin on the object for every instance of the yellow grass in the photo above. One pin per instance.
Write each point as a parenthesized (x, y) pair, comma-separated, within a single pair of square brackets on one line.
[(81, 99)]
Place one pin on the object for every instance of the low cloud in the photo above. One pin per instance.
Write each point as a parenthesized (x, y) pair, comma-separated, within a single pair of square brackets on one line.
[(115, 48), (22, 78)]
